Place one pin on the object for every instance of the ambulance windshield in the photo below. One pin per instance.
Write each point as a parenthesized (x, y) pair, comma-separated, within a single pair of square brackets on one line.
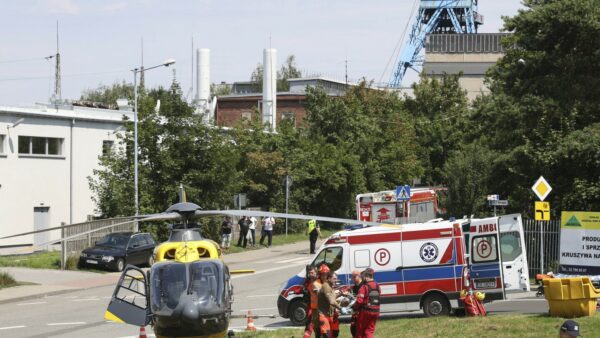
[(331, 256)]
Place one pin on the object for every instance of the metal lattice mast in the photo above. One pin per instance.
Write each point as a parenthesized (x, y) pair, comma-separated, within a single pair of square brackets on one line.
[(57, 80), (440, 17)]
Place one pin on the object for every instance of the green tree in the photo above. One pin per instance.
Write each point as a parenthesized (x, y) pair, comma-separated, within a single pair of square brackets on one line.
[(108, 95)]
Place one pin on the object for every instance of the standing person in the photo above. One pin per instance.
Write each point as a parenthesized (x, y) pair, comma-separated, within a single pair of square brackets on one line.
[(313, 231), (244, 224), (314, 299), (326, 302), (367, 305), (357, 280), (267, 230), (252, 230), (226, 230), (335, 319), (311, 277)]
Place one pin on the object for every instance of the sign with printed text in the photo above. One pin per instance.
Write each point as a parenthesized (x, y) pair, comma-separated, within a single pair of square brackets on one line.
[(580, 243), (403, 193), (542, 211)]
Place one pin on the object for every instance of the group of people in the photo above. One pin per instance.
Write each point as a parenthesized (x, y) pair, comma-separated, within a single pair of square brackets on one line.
[(247, 231), (326, 304)]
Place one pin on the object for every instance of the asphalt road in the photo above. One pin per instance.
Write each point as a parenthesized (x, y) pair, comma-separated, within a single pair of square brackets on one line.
[(80, 313)]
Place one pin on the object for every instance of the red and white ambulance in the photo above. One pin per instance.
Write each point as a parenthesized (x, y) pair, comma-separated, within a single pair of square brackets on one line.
[(383, 207), (423, 265)]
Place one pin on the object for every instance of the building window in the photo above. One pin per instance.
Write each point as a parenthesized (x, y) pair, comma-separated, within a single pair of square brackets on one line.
[(246, 116), (290, 116), (31, 145), (107, 147), (1, 144)]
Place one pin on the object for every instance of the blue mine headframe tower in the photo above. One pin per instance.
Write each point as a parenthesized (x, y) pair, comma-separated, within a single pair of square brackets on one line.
[(435, 17)]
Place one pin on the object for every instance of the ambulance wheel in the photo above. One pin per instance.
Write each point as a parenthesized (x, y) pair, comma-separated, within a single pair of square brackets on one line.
[(436, 305), (298, 312)]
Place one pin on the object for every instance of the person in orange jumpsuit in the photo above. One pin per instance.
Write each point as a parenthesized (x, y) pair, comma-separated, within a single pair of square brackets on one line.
[(311, 276), (314, 298), (367, 305), (357, 280)]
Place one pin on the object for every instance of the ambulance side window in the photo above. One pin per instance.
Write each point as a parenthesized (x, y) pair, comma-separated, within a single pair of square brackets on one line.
[(331, 256), (362, 258), (510, 246), (484, 249)]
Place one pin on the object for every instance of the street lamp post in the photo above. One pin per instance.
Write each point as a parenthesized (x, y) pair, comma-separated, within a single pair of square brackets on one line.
[(135, 71)]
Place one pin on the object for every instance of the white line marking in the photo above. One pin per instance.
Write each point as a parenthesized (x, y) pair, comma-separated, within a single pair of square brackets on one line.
[(257, 296), (12, 327), (259, 309), (71, 297), (524, 300), (84, 299), (301, 259), (72, 323), (33, 303)]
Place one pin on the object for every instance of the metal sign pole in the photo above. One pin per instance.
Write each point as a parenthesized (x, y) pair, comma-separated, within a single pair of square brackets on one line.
[(542, 247), (287, 196)]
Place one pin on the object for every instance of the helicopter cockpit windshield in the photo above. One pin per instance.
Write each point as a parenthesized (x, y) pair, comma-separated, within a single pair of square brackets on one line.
[(200, 282), (185, 235)]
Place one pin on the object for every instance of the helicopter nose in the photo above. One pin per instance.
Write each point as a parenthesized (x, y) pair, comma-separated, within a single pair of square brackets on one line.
[(190, 313)]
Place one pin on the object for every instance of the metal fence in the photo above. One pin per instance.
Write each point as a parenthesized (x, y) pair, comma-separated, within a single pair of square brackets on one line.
[(542, 242), (75, 245)]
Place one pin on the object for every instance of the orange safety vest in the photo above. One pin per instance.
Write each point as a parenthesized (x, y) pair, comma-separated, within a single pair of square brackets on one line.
[(314, 291)]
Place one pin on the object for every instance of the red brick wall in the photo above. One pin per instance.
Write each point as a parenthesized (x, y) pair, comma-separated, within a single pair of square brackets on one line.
[(231, 110)]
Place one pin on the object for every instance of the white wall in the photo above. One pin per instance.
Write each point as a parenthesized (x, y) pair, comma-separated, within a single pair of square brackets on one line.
[(32, 181)]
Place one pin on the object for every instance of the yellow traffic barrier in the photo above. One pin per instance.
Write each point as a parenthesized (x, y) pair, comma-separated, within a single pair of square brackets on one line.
[(571, 297)]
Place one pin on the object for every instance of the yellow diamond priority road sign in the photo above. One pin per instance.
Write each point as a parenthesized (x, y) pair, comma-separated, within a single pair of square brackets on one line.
[(541, 188)]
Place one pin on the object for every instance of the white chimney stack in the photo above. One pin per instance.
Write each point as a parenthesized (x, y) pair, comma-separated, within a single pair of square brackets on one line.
[(269, 105), (203, 81)]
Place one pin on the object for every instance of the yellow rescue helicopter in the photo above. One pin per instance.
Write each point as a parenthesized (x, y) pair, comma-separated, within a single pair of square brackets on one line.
[(187, 292)]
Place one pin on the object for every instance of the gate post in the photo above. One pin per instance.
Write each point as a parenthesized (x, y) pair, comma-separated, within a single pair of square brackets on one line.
[(63, 248)]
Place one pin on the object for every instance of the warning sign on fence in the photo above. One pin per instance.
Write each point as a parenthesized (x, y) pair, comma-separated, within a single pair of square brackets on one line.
[(580, 243)]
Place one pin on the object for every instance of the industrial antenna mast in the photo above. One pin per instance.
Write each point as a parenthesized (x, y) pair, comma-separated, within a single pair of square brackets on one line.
[(435, 17), (57, 80)]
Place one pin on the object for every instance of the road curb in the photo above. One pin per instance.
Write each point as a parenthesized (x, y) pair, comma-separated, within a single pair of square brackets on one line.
[(38, 295)]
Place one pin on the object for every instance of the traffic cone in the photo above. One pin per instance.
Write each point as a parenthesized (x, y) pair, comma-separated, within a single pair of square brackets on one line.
[(143, 332), (250, 322)]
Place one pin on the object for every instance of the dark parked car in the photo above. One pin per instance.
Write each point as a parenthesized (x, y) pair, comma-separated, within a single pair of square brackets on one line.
[(114, 251)]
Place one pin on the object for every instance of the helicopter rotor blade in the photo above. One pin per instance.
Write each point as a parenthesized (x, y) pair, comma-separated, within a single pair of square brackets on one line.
[(200, 213)]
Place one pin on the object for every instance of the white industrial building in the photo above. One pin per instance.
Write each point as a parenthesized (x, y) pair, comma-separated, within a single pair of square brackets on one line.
[(47, 154)]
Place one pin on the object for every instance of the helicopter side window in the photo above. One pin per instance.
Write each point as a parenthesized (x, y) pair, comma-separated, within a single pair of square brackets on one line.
[(204, 281), (169, 282)]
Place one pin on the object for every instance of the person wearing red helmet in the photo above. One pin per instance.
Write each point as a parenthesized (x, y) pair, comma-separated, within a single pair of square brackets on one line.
[(367, 305), (326, 302)]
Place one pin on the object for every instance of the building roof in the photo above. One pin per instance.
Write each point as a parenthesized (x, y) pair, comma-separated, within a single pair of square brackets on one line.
[(241, 97), (69, 112)]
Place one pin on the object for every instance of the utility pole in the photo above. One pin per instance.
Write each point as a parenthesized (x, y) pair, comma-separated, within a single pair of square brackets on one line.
[(346, 62), (142, 80)]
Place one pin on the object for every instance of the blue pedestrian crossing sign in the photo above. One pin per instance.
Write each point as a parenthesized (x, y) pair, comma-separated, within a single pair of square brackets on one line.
[(403, 193)]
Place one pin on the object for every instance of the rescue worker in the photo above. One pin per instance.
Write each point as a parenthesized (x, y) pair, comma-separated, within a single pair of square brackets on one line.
[(311, 277), (314, 299), (367, 305), (335, 319), (326, 302), (313, 231), (357, 280)]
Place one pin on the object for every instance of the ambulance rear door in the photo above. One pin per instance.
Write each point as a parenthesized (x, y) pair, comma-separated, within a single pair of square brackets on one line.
[(485, 259), (512, 248)]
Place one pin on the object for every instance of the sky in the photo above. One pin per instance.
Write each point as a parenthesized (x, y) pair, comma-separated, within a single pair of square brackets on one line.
[(100, 40)]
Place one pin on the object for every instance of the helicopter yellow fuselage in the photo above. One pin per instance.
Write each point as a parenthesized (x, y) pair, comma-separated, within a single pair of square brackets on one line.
[(186, 252)]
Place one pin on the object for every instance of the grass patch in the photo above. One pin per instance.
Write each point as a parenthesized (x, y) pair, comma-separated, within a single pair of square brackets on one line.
[(38, 260), (279, 239), (6, 280), (491, 326)]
